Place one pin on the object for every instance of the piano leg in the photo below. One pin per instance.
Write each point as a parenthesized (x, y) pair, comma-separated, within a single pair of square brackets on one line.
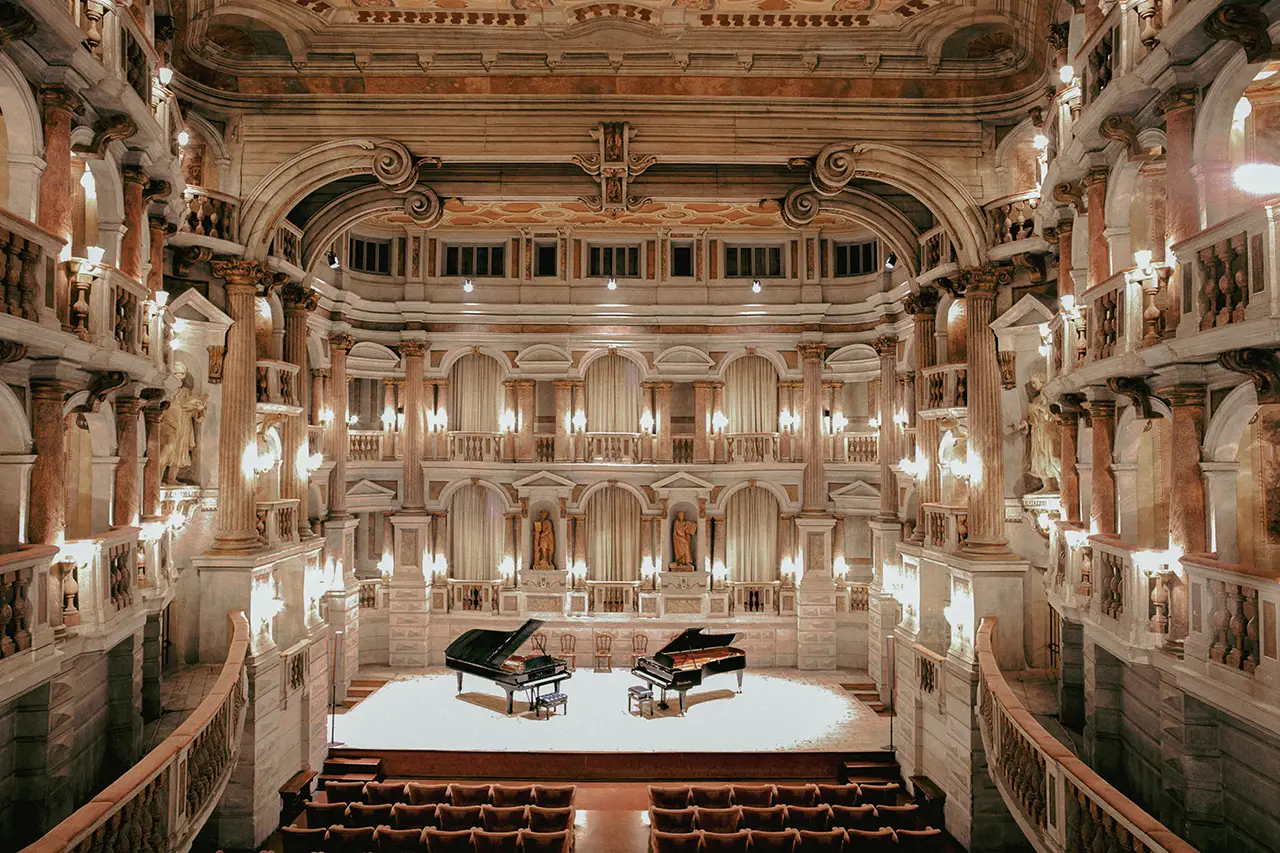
[(662, 703), (739, 681), (682, 703), (459, 681), (510, 701)]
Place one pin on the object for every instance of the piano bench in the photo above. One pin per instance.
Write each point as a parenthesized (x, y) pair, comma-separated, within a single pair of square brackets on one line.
[(640, 694), (549, 702)]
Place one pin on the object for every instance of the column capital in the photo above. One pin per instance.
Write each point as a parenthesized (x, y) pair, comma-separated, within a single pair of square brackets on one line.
[(708, 384), (238, 272), (562, 383), (128, 406), (132, 173), (923, 302), (48, 389), (341, 342), (394, 381), (1104, 409), (812, 351), (1183, 394), (886, 346), (1175, 101), (298, 298), (983, 280), (413, 349), (320, 373), (54, 96), (526, 383), (1095, 176)]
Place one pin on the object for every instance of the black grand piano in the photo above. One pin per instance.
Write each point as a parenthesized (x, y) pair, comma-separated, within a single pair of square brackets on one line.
[(688, 659), (491, 655)]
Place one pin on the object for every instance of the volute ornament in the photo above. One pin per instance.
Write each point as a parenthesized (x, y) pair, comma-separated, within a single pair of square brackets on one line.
[(394, 166), (800, 207), (834, 168), (424, 207), (1121, 129), (1261, 365), (1244, 23), (1069, 192), (1136, 390), (108, 128)]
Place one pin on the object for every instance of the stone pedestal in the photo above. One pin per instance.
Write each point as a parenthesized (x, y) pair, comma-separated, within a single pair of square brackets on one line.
[(816, 596), (683, 593), (883, 614), (409, 602), (342, 607)]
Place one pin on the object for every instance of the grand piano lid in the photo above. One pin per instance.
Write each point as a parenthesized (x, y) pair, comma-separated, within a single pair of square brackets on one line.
[(491, 648), (693, 639)]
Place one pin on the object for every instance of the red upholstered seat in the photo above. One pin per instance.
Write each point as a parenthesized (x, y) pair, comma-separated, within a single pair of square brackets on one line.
[(550, 820), (711, 798), (508, 819), (816, 818), (920, 841), (899, 817), (880, 841), (854, 817), (439, 841), (543, 842), (323, 815), (727, 842), (677, 842), (454, 818), (404, 816), (347, 839), (719, 820), (421, 793), (772, 819), (756, 796), (363, 815), (376, 793), (553, 796), (831, 841), (774, 842), (496, 842), (398, 840), (303, 840), (838, 795), (796, 795), (672, 820), (879, 795), (469, 795), (344, 792), (669, 798), (512, 795)]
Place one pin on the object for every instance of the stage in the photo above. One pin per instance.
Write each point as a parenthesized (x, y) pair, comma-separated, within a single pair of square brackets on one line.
[(784, 724)]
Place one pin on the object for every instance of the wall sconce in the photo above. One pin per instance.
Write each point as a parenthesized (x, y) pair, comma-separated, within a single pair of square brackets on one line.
[(579, 421), (95, 255), (88, 184), (507, 421), (1068, 305), (353, 419), (1142, 260), (1046, 340), (165, 74), (874, 422), (719, 421), (917, 468), (788, 420), (388, 418), (646, 422), (1067, 74), (307, 463), (386, 563), (839, 422), (900, 417), (326, 416)]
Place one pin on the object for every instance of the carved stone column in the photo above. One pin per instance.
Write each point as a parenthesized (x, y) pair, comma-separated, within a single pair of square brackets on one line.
[(236, 520), (564, 417), (318, 377), (49, 437), (151, 416), (1066, 248), (703, 393), (158, 228), (662, 414), (886, 346), (525, 416), (1187, 495), (414, 355), (126, 507), (58, 104), (298, 304), (1070, 480), (986, 431), (1095, 182), (1102, 501), (339, 346), (815, 482), (923, 307), (389, 428), (134, 179), (1181, 200)]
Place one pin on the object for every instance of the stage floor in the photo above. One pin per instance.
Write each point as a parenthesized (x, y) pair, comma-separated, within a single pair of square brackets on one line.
[(777, 710)]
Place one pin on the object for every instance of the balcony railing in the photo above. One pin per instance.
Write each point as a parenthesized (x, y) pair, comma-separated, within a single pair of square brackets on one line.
[(615, 447), (475, 446), (1012, 218), (1110, 305), (946, 527), (1225, 272), (752, 447), (946, 386), (936, 250), (209, 214), (1054, 796), (682, 449), (286, 243), (1129, 602), (612, 596), (277, 522), (165, 799), (755, 597), (364, 445), (278, 384), (1232, 632), (98, 577), (371, 593), (862, 448), (26, 622), (473, 596), (27, 255), (107, 309)]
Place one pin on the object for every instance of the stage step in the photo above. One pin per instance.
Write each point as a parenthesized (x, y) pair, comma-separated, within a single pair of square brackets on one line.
[(874, 770), (342, 766), (360, 689)]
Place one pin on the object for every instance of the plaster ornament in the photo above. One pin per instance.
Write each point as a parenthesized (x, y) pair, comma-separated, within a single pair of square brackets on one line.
[(682, 532), (544, 543), (1041, 427), (178, 427)]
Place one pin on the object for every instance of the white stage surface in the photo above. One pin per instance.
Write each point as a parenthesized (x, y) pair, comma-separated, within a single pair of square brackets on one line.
[(777, 710)]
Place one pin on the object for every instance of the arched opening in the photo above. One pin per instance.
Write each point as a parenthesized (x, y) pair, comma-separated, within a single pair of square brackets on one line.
[(613, 395), (613, 535), (475, 393), (751, 395), (21, 142), (475, 533), (751, 545), (957, 332)]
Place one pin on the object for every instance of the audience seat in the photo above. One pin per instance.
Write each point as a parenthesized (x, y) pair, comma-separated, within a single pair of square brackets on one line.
[(299, 840), (362, 815), (343, 792), (441, 841), (321, 815), (756, 796), (879, 841), (456, 818), (796, 795), (405, 816), (496, 842), (774, 842), (677, 842), (854, 817), (726, 842), (920, 841), (772, 819), (832, 841), (507, 819), (398, 840), (719, 820), (377, 793), (879, 795), (672, 820), (469, 795), (512, 795), (669, 798), (348, 839), (543, 842), (899, 817), (839, 795), (553, 796), (422, 793), (711, 798), (817, 818), (550, 820)]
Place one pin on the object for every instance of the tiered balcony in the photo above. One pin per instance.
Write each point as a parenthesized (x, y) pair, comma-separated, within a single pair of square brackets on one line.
[(277, 387), (107, 308), (209, 214), (946, 527), (1011, 223), (946, 390), (937, 255), (277, 522), (27, 623), (1232, 631), (475, 446), (618, 448), (27, 254), (752, 447)]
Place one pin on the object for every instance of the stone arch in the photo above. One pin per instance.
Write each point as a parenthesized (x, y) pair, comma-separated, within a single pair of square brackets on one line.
[(1130, 428), (24, 137), (636, 491), (1141, 466), (1008, 151), (1234, 413), (785, 503), (1210, 143), (289, 21), (15, 431), (1232, 418), (421, 205), (450, 357), (770, 355), (109, 188), (601, 352), (446, 494), (802, 204)]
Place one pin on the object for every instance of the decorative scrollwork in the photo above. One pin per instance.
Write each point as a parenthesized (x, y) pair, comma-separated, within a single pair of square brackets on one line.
[(394, 167), (424, 207), (1261, 365), (1135, 388), (835, 167), (800, 207)]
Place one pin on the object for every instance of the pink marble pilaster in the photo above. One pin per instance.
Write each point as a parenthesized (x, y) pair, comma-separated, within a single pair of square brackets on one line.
[(298, 303), (1102, 500), (339, 346), (58, 105), (1099, 249), (49, 434), (886, 346), (815, 481), (151, 416), (414, 355), (126, 499), (134, 179)]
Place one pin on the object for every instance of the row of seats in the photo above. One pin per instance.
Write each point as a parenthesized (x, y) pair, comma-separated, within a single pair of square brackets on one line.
[(453, 794), (764, 796), (777, 818), (383, 839), (439, 816), (801, 841)]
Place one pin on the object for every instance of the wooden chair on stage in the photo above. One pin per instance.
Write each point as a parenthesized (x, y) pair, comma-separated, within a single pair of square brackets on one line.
[(568, 643), (603, 653), (639, 648), (539, 641)]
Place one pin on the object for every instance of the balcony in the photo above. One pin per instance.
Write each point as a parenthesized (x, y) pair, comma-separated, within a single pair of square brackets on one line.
[(473, 596), (286, 244), (620, 448), (277, 522), (752, 447), (946, 527), (364, 445), (109, 309), (98, 577), (209, 214), (277, 387), (27, 255), (475, 446), (1011, 222), (1232, 634), (612, 596), (946, 390), (755, 598), (26, 622), (937, 254)]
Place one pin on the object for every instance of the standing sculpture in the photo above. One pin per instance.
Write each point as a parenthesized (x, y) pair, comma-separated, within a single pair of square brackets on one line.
[(178, 427), (682, 532), (1042, 430), (544, 543)]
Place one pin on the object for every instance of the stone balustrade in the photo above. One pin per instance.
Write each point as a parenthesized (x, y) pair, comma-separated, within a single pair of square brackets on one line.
[(931, 669), (682, 449), (98, 578), (475, 446), (277, 522), (208, 213), (27, 254), (364, 445), (612, 596), (946, 527), (372, 593), (1124, 599), (277, 386), (1226, 274), (937, 252), (294, 663), (1110, 305), (1056, 797), (613, 447), (755, 597), (107, 308), (1099, 60), (286, 243), (1232, 635), (315, 439), (27, 623), (1012, 218), (473, 596), (752, 447), (164, 800), (861, 447), (946, 389)]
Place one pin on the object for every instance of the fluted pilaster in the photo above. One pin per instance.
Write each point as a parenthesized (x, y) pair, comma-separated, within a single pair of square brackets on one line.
[(413, 353), (339, 346), (923, 307), (298, 304), (886, 346), (815, 480)]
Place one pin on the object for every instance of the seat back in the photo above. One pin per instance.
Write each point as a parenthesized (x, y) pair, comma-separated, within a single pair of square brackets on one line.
[(441, 841), (775, 842), (349, 839), (343, 792), (376, 793), (669, 798), (469, 795), (854, 817), (838, 795), (920, 840), (772, 819), (831, 841), (864, 841), (363, 815), (422, 793), (508, 819), (405, 816), (672, 820), (796, 795), (604, 643), (512, 795), (756, 796), (726, 842), (720, 797), (879, 795), (296, 839), (809, 817), (325, 814), (543, 842), (899, 817), (540, 642), (397, 840), (457, 818), (568, 643), (553, 796), (550, 820), (676, 842), (719, 820), (496, 842), (639, 644)]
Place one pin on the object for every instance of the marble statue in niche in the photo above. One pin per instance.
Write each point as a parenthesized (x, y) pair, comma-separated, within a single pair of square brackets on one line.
[(178, 429), (544, 543), (1044, 440), (682, 532)]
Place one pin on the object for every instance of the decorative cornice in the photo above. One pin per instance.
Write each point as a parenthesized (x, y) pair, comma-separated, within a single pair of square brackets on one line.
[(614, 166), (107, 129), (1136, 390), (15, 23), (238, 272), (1244, 23), (1261, 365), (1184, 394), (1100, 409), (295, 296)]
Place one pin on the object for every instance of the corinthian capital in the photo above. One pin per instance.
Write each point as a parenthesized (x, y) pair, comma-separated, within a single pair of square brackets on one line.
[(923, 301), (237, 272), (885, 345), (413, 349), (812, 352), (984, 279), (57, 97), (297, 297), (341, 342)]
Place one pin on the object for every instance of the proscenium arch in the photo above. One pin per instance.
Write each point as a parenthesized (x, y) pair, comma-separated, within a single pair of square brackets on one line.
[(350, 208), (869, 211)]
